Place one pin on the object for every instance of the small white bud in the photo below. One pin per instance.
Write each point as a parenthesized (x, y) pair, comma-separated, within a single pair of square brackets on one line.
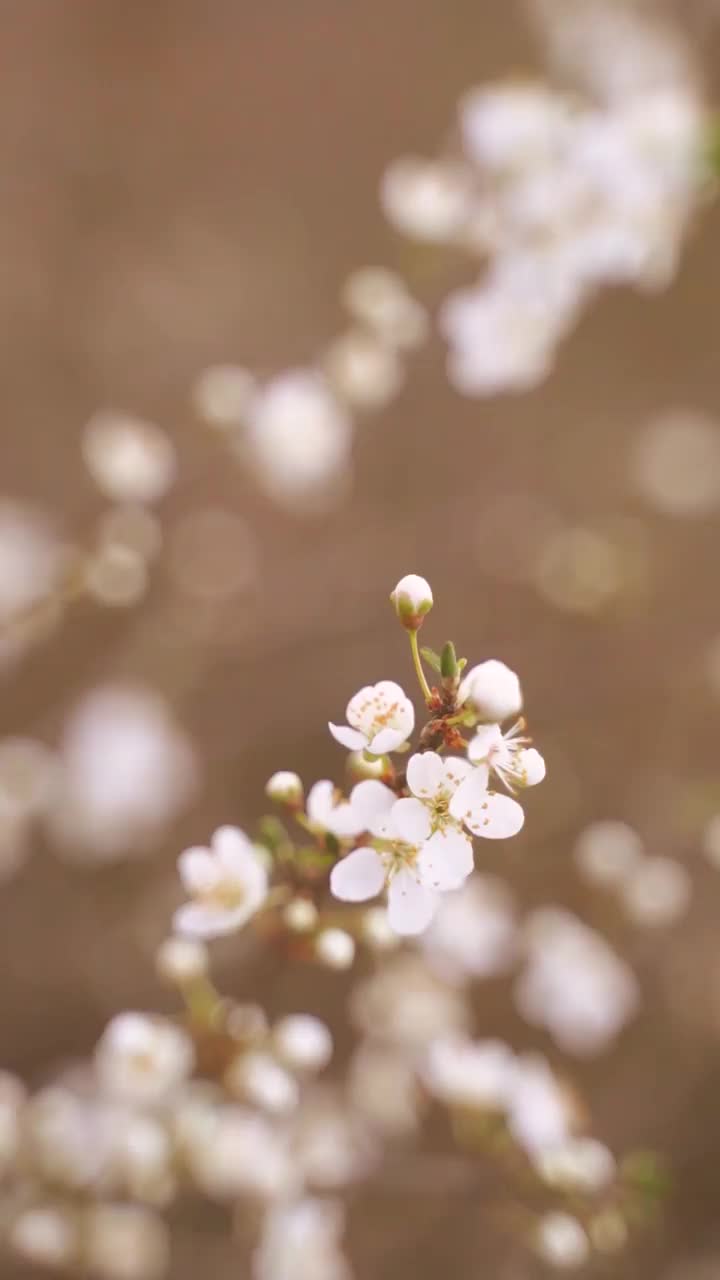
[(360, 767), (562, 1241), (494, 691), (284, 787), (412, 598), (303, 1042), (181, 960), (300, 915), (335, 948)]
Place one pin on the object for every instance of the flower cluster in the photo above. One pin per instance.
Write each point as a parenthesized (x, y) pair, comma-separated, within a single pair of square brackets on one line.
[(408, 832), (242, 1109)]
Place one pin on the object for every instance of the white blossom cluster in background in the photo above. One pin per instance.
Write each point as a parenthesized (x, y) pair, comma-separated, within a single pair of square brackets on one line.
[(249, 1111), (123, 770), (561, 187), (560, 190)]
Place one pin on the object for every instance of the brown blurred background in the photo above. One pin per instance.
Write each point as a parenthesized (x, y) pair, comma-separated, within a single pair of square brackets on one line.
[(188, 184)]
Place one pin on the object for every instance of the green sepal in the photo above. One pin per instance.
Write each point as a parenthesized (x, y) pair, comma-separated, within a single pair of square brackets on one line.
[(448, 662), (432, 658)]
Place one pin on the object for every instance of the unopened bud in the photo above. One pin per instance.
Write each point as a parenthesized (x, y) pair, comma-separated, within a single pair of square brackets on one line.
[(181, 960), (361, 766), (493, 690), (412, 599), (300, 915), (335, 948), (285, 788)]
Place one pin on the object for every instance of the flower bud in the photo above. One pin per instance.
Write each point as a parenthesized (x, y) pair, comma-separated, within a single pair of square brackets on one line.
[(285, 788), (303, 1042), (412, 599), (335, 948), (360, 766), (181, 960), (300, 915), (493, 690)]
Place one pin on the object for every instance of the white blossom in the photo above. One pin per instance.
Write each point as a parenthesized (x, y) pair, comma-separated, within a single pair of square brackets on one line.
[(607, 851), (473, 932), (329, 813), (574, 984), (227, 884), (141, 1058), (303, 1042), (506, 755), (466, 1073), (656, 891), (493, 690), (510, 126), (412, 598), (445, 794), (380, 719), (298, 436), (540, 1113), (404, 1004), (411, 861)]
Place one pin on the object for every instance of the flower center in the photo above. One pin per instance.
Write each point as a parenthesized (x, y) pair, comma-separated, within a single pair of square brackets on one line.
[(399, 857), (227, 895), (440, 811)]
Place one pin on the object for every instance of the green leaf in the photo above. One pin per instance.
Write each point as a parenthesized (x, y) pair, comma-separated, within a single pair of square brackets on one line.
[(432, 658)]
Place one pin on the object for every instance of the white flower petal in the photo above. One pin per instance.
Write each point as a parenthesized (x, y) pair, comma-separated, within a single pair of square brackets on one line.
[(411, 905), (319, 801), (455, 771), (446, 860), (425, 774), (497, 818), (470, 795), (390, 691), (197, 920), (372, 803), (530, 766), (411, 820), (324, 812), (359, 876), (198, 869), (488, 738), (388, 740), (233, 849), (353, 739)]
